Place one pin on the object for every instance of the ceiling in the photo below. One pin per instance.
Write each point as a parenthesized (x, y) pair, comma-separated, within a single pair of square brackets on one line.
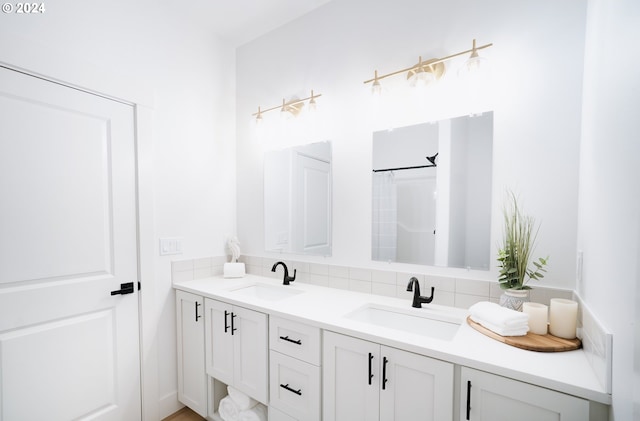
[(240, 21)]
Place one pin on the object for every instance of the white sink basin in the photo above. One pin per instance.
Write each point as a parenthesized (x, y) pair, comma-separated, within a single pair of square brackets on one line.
[(267, 292), (434, 323)]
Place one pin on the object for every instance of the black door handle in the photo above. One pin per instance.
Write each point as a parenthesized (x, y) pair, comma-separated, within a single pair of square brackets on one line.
[(370, 374), (226, 326), (384, 372), (126, 288), (468, 399), (233, 316), (197, 315)]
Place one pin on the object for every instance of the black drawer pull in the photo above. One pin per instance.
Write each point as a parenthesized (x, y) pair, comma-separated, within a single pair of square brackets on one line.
[(286, 386), (370, 374), (286, 338)]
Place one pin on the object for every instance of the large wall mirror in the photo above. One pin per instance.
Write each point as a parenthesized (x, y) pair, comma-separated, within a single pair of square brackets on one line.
[(432, 193), (297, 199)]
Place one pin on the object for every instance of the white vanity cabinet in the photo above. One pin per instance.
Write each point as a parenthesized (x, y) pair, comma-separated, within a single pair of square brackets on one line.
[(488, 397), (192, 377), (366, 381), (236, 347), (294, 374)]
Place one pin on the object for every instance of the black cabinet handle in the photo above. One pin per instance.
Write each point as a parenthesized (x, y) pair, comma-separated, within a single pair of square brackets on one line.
[(286, 338), (468, 399), (286, 386), (384, 372), (233, 316), (126, 288), (226, 326), (197, 315), (370, 374)]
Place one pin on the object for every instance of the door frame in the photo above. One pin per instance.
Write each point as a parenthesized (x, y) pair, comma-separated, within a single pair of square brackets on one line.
[(58, 66)]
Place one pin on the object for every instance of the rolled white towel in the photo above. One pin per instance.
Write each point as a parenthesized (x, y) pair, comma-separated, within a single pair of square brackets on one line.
[(228, 409), (242, 400), (501, 317), (257, 413)]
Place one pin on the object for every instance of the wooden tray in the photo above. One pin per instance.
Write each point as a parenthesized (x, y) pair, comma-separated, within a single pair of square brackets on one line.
[(531, 342)]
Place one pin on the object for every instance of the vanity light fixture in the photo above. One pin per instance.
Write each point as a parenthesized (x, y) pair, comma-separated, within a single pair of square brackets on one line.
[(429, 71), (291, 108)]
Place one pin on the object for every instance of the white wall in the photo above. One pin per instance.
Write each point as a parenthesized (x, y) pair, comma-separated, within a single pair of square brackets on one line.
[(537, 66), (609, 199), (185, 78)]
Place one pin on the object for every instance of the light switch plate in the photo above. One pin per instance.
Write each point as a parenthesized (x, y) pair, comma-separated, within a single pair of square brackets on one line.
[(170, 246)]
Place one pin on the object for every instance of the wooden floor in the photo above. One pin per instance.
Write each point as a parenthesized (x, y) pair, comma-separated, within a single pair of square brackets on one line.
[(185, 414)]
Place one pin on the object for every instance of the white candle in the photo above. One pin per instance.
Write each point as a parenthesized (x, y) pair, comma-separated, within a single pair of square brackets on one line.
[(563, 316), (537, 317)]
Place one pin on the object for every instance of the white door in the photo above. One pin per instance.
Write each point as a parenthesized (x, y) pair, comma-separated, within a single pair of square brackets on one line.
[(251, 353), (69, 350), (218, 340), (416, 388), (192, 377), (312, 205), (487, 397), (350, 379)]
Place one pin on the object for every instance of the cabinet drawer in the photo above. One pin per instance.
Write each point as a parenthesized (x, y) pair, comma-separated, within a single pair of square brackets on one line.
[(295, 339), (294, 387), (277, 415)]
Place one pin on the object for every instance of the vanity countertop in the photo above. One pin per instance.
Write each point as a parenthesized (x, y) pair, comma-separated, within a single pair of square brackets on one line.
[(326, 308)]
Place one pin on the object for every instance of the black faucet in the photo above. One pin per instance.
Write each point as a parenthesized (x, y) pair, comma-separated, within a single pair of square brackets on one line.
[(287, 279), (417, 298)]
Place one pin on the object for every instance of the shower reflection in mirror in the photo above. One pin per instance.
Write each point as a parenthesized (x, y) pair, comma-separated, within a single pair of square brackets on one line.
[(432, 193)]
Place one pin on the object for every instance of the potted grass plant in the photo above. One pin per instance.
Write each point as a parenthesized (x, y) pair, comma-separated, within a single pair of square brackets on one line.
[(515, 261)]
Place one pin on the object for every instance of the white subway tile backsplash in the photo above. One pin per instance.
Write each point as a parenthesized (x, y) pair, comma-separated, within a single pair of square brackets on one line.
[(181, 265), (319, 269), (339, 271), (204, 272), (360, 274), (203, 263), (444, 298), (321, 280), (441, 283), (360, 286), (467, 300), (385, 289), (472, 287), (383, 277), (182, 276), (597, 343), (338, 283)]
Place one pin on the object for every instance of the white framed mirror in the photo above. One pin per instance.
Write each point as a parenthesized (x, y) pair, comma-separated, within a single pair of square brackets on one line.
[(431, 196), (298, 200)]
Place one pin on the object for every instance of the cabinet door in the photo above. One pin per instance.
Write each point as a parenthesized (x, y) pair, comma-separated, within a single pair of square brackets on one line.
[(251, 354), (414, 387), (496, 398), (218, 340), (192, 377), (350, 379)]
